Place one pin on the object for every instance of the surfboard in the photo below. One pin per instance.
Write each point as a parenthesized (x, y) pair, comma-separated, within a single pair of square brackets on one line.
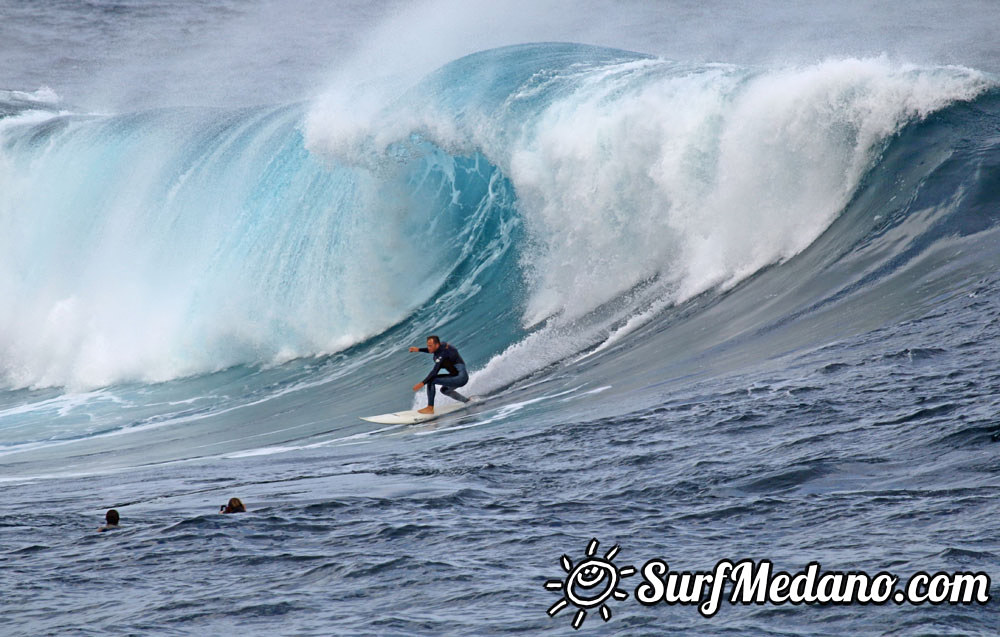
[(412, 416)]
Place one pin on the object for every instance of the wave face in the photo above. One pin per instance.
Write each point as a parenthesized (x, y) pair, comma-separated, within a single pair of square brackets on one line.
[(172, 243), (153, 246)]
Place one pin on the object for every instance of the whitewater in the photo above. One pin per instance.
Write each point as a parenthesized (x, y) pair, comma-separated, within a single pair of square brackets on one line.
[(722, 298)]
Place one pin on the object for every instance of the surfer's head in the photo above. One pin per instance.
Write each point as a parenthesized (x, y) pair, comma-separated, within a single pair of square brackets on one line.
[(433, 343), (111, 517), (234, 506)]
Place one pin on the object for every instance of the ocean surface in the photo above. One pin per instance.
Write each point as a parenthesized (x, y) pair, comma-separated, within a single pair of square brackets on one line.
[(726, 277)]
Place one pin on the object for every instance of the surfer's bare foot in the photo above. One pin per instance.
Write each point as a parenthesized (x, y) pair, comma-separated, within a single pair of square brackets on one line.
[(426, 410)]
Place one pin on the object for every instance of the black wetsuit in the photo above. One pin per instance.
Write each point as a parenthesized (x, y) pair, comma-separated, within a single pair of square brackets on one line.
[(447, 357)]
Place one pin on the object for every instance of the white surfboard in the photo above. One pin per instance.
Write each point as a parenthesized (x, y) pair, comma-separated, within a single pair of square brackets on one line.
[(412, 416)]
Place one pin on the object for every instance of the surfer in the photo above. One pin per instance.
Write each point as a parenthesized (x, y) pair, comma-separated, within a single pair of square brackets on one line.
[(446, 356)]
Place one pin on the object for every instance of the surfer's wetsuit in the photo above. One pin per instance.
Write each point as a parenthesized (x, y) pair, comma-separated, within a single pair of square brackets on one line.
[(448, 357)]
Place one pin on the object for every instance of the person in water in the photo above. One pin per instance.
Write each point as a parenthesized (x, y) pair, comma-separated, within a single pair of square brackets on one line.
[(446, 356), (234, 506), (111, 521)]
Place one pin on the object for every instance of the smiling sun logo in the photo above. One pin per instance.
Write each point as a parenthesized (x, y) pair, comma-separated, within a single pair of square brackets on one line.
[(589, 584)]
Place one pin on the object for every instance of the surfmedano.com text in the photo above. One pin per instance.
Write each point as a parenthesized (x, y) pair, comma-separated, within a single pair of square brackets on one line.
[(757, 583)]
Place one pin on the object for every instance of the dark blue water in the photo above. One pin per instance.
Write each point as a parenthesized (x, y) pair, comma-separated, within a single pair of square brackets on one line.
[(715, 311)]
